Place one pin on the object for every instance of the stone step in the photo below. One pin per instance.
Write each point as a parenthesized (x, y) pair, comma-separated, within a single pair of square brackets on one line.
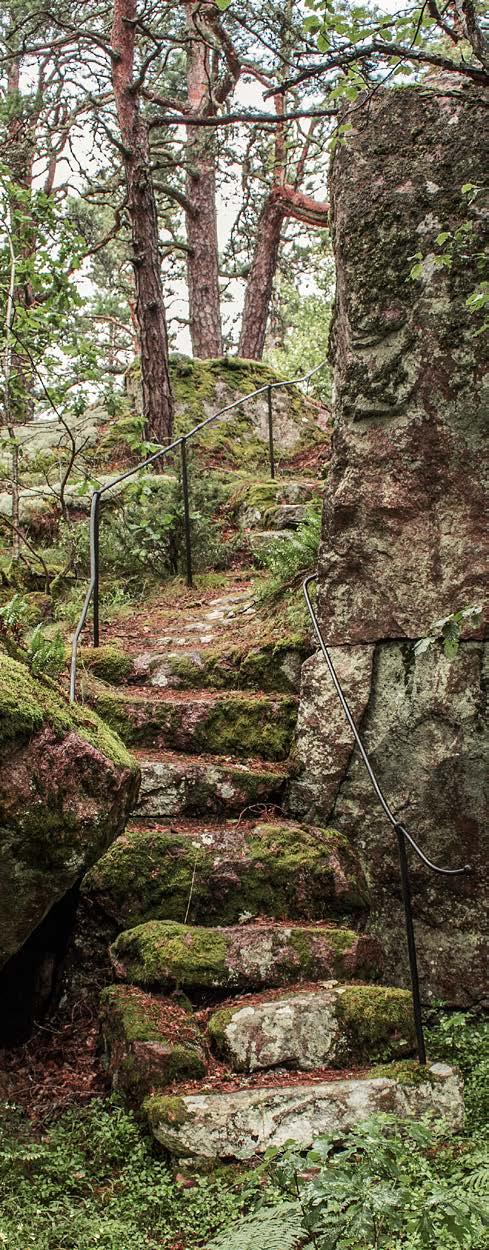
[(261, 540), (181, 785), (328, 1025), (149, 1042), (219, 664), (211, 721), (208, 873), (238, 1124), (165, 955), (259, 502)]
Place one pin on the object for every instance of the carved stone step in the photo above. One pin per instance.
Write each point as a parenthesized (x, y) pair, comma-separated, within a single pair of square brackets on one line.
[(214, 874), (176, 785), (210, 721), (164, 955), (245, 1122), (330, 1025)]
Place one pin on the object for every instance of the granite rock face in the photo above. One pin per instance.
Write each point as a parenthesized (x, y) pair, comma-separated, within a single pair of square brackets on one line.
[(67, 785), (404, 535), (404, 529), (245, 1123)]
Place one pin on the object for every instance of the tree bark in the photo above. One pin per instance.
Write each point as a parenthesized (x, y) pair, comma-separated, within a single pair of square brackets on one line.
[(142, 214), (201, 219), (259, 286)]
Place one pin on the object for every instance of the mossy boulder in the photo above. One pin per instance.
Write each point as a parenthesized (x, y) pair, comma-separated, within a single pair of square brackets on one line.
[(193, 785), (149, 1042), (203, 387), (237, 724), (330, 1026), (67, 785), (215, 875), (243, 957)]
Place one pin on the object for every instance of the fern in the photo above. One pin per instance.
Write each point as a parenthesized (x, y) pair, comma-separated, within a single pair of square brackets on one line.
[(276, 1228)]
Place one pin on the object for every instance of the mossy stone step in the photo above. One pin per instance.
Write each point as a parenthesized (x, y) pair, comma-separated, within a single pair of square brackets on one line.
[(149, 1042), (331, 1025), (246, 1122), (214, 722), (268, 666), (242, 957), (215, 875), (193, 785)]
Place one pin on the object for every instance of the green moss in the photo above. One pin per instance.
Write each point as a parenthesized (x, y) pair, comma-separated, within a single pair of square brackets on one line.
[(270, 667), (27, 704), (130, 1017), (377, 1021), (168, 953), (298, 871), (150, 875), (405, 1072), (107, 663), (247, 727), (217, 1026), (165, 1107)]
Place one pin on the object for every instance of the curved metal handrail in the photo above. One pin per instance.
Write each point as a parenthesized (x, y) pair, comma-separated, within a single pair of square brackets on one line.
[(402, 834), (93, 587)]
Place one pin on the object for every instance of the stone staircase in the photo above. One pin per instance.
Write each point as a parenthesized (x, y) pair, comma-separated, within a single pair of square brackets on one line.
[(247, 1004)]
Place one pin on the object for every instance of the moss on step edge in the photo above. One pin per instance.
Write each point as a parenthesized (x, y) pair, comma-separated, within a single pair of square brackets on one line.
[(404, 1071), (243, 726), (27, 704), (275, 870), (150, 1042), (107, 663), (243, 957), (376, 1020)]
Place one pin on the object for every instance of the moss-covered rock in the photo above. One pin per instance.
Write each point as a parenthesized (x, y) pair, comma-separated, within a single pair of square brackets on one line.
[(329, 1026), (216, 875), (243, 957), (108, 663), (149, 1042), (376, 1022), (269, 666), (234, 724), (66, 786)]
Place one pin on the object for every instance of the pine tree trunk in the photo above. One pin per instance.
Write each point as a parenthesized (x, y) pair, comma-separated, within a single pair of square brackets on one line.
[(142, 214), (259, 286), (201, 218)]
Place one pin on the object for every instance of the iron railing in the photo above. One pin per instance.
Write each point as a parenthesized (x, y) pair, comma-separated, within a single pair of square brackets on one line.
[(402, 834), (93, 592)]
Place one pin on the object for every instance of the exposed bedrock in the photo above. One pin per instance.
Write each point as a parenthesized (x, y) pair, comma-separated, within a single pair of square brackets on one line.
[(404, 528)]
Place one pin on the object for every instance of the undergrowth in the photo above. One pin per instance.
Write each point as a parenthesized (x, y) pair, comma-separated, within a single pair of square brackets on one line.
[(94, 1181)]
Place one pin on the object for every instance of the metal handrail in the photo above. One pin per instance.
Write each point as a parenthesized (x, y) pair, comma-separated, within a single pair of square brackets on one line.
[(93, 587), (402, 834)]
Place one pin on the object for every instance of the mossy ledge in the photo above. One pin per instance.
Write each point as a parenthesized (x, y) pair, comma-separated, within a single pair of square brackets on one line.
[(27, 704), (164, 954)]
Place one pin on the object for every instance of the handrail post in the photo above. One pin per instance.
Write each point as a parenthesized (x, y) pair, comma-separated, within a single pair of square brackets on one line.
[(186, 512), (96, 567), (270, 433), (411, 943)]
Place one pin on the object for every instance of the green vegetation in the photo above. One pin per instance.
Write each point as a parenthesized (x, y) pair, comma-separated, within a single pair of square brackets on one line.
[(289, 561), (27, 704), (93, 1181), (371, 1014)]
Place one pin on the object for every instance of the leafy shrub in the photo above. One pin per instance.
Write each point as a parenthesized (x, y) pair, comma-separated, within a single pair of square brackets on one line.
[(44, 654), (288, 561), (93, 1183), (463, 1038), (387, 1187)]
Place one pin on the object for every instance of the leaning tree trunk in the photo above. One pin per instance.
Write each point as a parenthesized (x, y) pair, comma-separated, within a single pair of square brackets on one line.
[(201, 216), (259, 286), (142, 214)]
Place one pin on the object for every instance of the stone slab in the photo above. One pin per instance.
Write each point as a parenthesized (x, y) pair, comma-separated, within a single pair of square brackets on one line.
[(246, 1123)]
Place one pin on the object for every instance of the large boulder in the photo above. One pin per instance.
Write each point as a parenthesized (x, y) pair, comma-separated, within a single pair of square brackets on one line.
[(67, 785), (403, 533)]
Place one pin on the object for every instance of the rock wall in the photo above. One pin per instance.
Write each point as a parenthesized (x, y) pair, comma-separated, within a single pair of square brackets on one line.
[(404, 528)]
